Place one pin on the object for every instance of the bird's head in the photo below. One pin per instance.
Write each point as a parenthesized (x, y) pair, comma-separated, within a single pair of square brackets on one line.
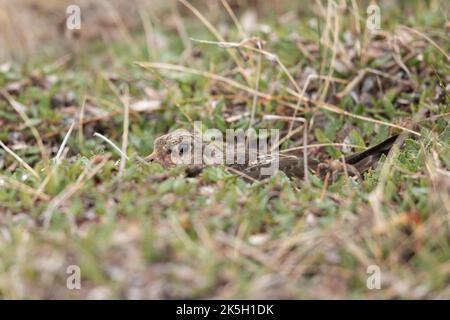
[(172, 149)]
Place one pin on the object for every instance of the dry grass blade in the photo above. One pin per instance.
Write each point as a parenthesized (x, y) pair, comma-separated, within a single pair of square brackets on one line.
[(240, 173), (69, 191), (126, 119), (245, 249), (255, 97), (19, 159), (319, 104), (13, 183), (206, 74), (431, 41), (298, 94), (234, 18), (44, 183), (332, 11), (150, 34), (360, 76), (19, 109), (81, 119), (96, 134), (121, 26), (59, 156), (63, 144), (305, 87), (320, 145), (377, 195), (335, 109), (181, 29), (213, 30), (270, 56)]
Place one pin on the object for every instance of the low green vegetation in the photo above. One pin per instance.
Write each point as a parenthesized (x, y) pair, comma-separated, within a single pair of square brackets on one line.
[(141, 231)]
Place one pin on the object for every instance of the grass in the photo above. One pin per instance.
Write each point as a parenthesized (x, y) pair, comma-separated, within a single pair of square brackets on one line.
[(140, 231)]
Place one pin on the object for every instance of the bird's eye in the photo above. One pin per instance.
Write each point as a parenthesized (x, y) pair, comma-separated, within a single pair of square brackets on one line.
[(183, 148)]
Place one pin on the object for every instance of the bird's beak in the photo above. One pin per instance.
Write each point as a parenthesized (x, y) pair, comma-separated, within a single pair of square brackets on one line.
[(151, 157)]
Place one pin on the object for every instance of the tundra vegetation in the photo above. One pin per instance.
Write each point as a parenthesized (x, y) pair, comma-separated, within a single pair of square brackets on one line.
[(81, 108)]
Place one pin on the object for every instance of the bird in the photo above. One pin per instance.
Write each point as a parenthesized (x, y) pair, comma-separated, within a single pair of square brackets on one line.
[(173, 149)]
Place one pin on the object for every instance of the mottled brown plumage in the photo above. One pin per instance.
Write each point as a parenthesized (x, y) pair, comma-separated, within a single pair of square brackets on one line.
[(354, 164)]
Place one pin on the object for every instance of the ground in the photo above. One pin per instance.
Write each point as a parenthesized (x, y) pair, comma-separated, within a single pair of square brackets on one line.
[(137, 230)]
